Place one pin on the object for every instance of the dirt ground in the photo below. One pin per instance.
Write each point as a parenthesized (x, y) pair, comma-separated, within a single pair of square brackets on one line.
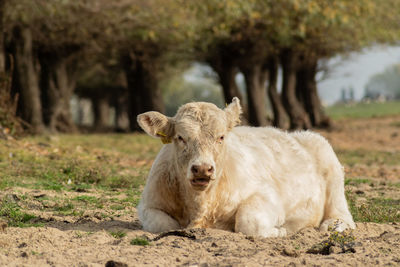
[(87, 240)]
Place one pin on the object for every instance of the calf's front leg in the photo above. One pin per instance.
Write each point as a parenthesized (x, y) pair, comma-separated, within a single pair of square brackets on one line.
[(260, 216), (155, 220)]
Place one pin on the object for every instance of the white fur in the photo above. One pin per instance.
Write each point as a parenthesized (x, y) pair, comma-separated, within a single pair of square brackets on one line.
[(267, 183)]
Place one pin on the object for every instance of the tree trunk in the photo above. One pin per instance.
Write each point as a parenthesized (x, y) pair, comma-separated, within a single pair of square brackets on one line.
[(298, 116), (101, 111), (144, 93), (121, 111), (274, 97), (227, 70), (256, 95), (307, 90), (57, 84), (2, 48), (26, 79)]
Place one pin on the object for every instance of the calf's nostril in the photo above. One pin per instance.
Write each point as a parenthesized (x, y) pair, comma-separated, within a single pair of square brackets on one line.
[(210, 170), (195, 169)]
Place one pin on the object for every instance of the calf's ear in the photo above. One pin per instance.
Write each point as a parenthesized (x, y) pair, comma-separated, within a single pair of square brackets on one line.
[(233, 112), (157, 125)]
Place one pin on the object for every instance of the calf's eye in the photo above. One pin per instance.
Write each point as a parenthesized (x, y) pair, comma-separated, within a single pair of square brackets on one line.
[(181, 139)]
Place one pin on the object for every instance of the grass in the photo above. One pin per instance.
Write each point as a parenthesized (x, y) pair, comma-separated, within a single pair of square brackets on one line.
[(15, 216), (139, 242), (357, 181), (118, 234), (378, 210), (104, 174), (73, 162), (363, 110), (368, 157), (108, 164)]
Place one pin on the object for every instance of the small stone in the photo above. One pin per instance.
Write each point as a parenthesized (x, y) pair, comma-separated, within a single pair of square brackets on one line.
[(24, 254), (290, 252), (3, 226), (22, 245), (250, 238)]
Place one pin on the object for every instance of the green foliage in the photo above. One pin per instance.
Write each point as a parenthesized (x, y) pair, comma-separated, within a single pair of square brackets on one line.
[(387, 82)]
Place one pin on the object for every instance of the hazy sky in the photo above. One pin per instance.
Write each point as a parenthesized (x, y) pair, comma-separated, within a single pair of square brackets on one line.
[(355, 71)]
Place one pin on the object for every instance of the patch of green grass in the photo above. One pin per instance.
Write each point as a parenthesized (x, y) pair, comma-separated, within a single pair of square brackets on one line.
[(110, 161), (12, 213), (133, 197), (117, 207), (378, 210), (48, 185), (140, 242), (367, 157), (118, 234), (363, 110), (65, 209), (394, 185), (357, 181), (86, 199)]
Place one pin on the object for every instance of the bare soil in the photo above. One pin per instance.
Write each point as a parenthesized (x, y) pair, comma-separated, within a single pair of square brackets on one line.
[(86, 240)]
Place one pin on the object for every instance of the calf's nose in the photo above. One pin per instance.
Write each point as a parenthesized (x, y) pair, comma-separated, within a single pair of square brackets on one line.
[(203, 170)]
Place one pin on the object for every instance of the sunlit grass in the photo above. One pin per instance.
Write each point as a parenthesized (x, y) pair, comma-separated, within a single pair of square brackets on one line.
[(67, 161), (106, 173), (363, 110), (378, 210), (368, 157)]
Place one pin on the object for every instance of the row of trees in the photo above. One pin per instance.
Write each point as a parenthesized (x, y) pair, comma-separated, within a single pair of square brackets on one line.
[(117, 52)]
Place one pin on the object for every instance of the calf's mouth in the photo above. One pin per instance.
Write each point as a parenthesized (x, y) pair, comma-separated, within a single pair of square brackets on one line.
[(200, 182)]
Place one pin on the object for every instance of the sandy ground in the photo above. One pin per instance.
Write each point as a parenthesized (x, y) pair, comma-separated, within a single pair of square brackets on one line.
[(86, 241)]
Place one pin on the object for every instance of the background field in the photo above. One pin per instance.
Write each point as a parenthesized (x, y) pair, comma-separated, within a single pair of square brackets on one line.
[(71, 199)]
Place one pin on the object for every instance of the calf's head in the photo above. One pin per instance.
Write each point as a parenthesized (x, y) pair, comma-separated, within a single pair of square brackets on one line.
[(198, 133)]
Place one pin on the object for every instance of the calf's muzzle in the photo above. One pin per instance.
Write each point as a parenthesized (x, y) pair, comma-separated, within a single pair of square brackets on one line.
[(201, 175), (202, 171)]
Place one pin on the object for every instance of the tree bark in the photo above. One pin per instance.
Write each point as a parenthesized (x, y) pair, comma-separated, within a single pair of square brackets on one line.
[(101, 111), (274, 97), (57, 85), (26, 80), (307, 90), (143, 91), (227, 70), (298, 117), (121, 111), (2, 47), (256, 95)]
